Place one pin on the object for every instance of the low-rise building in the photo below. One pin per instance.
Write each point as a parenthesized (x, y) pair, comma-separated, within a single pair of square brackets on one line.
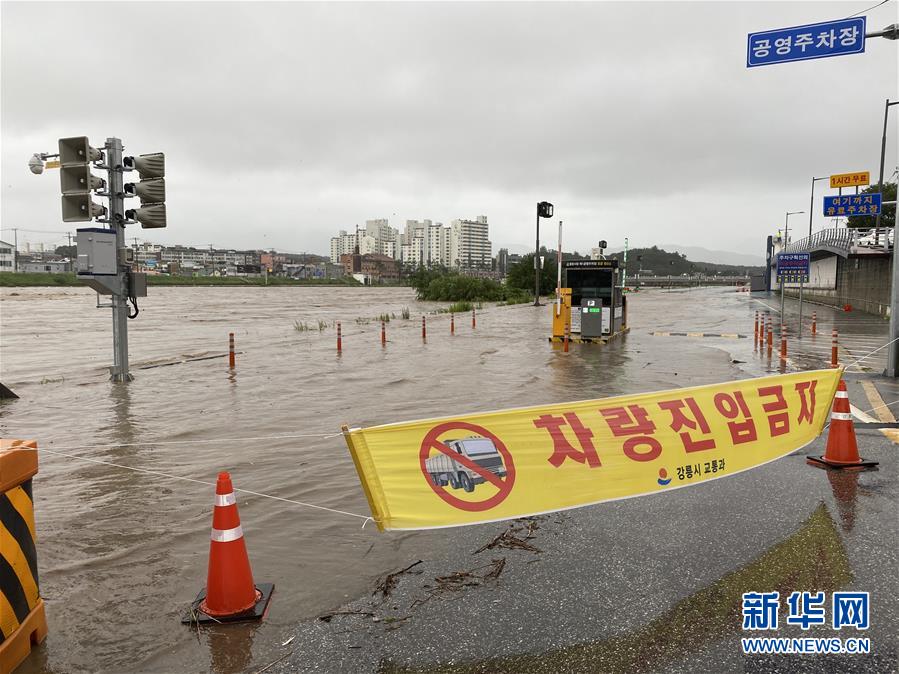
[(378, 268), (7, 256)]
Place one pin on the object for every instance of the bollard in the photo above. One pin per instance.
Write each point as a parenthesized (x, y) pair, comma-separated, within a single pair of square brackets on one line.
[(25, 625), (814, 322), (339, 340), (834, 344), (383, 333), (770, 337), (452, 324), (424, 329), (755, 331), (474, 322), (231, 350), (565, 340), (783, 344)]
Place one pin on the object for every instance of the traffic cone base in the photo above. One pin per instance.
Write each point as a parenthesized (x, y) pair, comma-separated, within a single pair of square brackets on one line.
[(230, 594), (842, 450), (256, 612)]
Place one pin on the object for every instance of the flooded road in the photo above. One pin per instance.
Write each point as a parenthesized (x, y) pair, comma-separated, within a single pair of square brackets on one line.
[(122, 553)]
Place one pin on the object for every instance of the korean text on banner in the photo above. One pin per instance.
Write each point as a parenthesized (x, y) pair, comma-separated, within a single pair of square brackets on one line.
[(500, 465)]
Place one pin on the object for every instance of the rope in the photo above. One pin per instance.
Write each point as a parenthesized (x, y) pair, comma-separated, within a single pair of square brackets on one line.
[(159, 473), (199, 442), (883, 346)]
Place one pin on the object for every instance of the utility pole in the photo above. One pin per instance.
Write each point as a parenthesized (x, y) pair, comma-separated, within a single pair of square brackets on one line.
[(116, 220), (892, 368), (783, 248), (102, 260)]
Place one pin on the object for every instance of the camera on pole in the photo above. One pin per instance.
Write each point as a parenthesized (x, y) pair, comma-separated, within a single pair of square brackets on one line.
[(150, 190), (76, 180)]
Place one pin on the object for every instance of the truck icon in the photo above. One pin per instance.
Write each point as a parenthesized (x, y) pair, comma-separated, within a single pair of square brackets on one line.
[(444, 470)]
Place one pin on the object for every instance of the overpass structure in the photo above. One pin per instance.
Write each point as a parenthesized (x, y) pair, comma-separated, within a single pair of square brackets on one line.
[(688, 280), (848, 267)]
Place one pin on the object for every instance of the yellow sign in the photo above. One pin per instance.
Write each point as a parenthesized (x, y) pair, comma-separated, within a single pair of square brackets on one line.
[(512, 463), (850, 179), (53, 163)]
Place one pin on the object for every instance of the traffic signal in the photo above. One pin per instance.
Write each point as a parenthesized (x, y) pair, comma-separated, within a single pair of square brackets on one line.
[(76, 180), (149, 217), (150, 190)]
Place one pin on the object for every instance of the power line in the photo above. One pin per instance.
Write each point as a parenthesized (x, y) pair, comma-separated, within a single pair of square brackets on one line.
[(869, 9), (34, 231)]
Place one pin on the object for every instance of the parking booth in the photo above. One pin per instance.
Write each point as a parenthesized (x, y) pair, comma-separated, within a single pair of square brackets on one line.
[(594, 284)]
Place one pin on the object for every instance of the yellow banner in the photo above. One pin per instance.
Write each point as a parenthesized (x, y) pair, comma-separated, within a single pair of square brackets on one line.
[(856, 179), (500, 465)]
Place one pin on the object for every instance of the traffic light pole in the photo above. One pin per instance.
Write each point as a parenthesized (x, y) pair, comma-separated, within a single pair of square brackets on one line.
[(537, 262), (116, 188)]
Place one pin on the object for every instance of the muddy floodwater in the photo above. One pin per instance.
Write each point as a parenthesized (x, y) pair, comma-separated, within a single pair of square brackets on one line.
[(122, 553)]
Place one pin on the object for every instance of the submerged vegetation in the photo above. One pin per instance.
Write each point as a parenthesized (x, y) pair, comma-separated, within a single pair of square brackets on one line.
[(442, 285)]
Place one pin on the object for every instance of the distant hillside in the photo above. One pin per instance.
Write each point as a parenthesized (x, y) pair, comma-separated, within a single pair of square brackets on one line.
[(661, 262), (718, 256)]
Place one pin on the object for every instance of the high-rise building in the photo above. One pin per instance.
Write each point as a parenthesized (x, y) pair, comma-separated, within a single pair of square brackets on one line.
[(463, 245), (470, 247)]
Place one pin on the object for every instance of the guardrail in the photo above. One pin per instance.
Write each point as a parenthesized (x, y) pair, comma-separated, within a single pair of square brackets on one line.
[(840, 241), (687, 280)]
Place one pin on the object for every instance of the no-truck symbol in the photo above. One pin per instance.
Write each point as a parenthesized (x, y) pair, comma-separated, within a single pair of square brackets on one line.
[(467, 456)]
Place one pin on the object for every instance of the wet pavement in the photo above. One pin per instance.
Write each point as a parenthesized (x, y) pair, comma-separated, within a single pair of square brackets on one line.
[(122, 553), (649, 584)]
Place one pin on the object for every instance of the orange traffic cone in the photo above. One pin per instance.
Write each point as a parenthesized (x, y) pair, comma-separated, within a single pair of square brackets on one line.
[(230, 594), (842, 450)]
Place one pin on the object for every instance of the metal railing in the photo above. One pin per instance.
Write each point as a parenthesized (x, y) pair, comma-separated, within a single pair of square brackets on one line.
[(842, 239), (839, 239)]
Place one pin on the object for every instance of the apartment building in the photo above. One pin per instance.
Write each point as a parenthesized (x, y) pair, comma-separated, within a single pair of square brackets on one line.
[(463, 245), (470, 246)]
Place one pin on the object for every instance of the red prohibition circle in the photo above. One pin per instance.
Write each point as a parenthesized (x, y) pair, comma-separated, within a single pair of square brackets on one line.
[(432, 441)]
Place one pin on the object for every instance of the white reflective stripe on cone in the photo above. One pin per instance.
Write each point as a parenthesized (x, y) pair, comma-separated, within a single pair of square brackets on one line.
[(842, 394), (227, 535), (225, 499), (840, 416)]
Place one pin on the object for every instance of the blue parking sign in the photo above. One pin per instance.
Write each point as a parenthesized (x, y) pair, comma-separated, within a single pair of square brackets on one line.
[(801, 43), (867, 203), (793, 267)]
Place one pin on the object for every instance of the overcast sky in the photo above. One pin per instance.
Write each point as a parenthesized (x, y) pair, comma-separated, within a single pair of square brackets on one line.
[(285, 122)]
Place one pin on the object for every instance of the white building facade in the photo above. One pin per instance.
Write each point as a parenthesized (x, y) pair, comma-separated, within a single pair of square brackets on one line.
[(465, 244), (7, 256)]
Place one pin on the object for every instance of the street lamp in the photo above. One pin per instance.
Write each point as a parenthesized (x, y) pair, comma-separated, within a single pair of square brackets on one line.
[(892, 369), (785, 242), (544, 210), (811, 205)]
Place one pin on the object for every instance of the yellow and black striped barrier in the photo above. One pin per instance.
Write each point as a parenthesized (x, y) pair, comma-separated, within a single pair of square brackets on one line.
[(575, 338), (726, 335), (22, 620)]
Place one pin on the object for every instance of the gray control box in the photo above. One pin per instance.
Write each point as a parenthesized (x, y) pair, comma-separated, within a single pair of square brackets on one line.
[(591, 317), (96, 252)]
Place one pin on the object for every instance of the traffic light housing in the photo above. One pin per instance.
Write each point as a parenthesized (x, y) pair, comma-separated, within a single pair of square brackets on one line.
[(150, 189), (149, 217), (147, 165), (80, 208), (77, 150), (77, 178), (76, 182)]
